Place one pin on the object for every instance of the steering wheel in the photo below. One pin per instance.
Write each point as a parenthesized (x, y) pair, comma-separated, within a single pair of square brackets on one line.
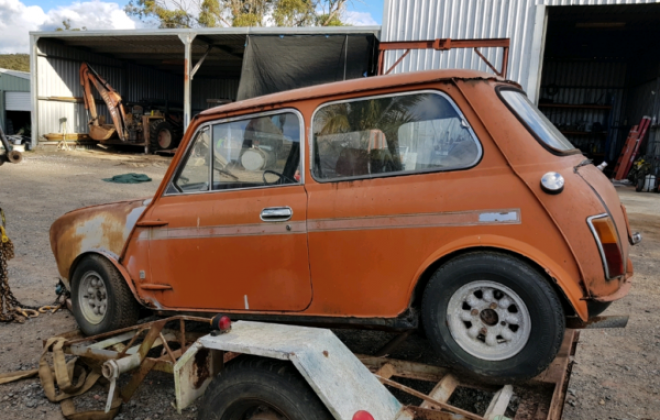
[(279, 179)]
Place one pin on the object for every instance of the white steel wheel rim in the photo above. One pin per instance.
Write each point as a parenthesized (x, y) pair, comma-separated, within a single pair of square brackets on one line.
[(488, 320), (93, 297)]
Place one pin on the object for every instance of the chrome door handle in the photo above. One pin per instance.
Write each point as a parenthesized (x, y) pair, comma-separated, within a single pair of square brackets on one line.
[(276, 214)]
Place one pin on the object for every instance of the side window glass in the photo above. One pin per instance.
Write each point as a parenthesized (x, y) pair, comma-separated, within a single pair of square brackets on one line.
[(194, 175), (256, 152), (391, 135)]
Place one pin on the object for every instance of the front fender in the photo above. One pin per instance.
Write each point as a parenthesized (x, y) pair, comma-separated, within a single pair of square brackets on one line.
[(564, 279), (101, 229)]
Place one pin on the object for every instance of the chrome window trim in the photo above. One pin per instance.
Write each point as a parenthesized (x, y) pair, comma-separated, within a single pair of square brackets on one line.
[(301, 140), (601, 251), (400, 173)]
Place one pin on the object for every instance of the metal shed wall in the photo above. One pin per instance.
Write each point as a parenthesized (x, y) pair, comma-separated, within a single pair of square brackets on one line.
[(58, 79), (12, 83), (203, 89), (520, 20)]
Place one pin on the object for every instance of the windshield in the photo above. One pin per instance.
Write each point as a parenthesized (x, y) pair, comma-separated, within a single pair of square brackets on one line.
[(536, 121)]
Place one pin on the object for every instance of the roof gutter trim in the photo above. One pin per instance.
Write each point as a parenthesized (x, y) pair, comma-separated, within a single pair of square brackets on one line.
[(370, 30)]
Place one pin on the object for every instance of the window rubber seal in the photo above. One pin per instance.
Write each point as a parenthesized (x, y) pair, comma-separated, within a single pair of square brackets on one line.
[(546, 146)]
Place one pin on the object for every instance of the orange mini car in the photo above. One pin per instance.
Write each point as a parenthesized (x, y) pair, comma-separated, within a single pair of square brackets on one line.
[(441, 200)]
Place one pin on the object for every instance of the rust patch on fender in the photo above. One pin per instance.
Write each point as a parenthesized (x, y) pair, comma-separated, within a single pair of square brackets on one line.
[(105, 228)]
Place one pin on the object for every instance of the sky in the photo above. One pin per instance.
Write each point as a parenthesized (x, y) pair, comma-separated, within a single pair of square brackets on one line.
[(19, 17)]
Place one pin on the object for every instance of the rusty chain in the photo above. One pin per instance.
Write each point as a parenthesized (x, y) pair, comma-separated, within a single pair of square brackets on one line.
[(10, 308)]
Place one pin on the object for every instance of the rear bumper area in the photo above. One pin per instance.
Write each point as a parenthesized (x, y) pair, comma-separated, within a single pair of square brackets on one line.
[(622, 292)]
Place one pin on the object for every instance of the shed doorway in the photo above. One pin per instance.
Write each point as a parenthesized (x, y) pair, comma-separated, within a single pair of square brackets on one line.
[(601, 74)]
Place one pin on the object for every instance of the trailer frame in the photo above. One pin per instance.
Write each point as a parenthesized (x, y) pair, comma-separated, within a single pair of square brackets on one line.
[(344, 381)]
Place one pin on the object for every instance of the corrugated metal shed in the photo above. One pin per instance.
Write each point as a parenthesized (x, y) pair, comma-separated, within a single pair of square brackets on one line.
[(11, 81), (520, 20), (142, 65), (594, 99)]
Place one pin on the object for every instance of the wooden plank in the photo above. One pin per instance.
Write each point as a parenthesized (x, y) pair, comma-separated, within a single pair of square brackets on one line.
[(386, 371), (442, 391), (405, 369), (425, 397), (499, 403)]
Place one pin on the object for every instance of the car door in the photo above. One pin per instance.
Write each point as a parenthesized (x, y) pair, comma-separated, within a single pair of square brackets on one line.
[(389, 189), (235, 214)]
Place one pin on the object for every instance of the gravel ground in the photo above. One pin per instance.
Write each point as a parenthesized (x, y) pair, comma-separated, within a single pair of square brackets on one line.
[(616, 373)]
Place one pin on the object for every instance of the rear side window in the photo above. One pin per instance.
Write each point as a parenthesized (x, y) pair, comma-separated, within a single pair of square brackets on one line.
[(391, 135), (535, 121)]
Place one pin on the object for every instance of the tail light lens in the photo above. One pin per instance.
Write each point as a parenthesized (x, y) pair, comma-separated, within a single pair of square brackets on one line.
[(608, 245)]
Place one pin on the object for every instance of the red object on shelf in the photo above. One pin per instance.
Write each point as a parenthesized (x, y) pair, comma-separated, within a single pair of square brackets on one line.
[(631, 148)]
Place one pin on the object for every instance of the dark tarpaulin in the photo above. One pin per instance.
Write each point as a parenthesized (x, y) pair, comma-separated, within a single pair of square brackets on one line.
[(274, 63)]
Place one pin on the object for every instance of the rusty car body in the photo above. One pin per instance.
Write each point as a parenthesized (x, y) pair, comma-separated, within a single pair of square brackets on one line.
[(350, 219)]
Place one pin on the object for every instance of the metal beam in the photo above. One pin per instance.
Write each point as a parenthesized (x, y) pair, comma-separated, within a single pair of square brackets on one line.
[(187, 40), (200, 62), (221, 47), (538, 48), (34, 87)]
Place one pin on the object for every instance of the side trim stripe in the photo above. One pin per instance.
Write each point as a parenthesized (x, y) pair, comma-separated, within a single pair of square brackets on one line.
[(459, 218), (279, 228), (420, 220)]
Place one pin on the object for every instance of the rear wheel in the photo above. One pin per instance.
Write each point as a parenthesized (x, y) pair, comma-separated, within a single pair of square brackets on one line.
[(163, 136), (254, 388), (100, 298), (493, 315)]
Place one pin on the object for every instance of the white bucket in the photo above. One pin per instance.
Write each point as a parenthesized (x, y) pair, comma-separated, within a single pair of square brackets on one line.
[(649, 183)]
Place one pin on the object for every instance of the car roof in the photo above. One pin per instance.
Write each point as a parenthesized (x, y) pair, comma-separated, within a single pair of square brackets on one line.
[(351, 86)]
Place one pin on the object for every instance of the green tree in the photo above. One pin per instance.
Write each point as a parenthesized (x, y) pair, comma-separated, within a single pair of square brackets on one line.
[(67, 26), (19, 62), (226, 13)]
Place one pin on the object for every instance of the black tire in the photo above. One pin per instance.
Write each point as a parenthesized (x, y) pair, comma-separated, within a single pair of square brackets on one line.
[(121, 309), (163, 136), (250, 385), (546, 318)]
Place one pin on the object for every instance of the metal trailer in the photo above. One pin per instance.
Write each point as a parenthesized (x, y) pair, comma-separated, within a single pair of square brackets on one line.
[(347, 384)]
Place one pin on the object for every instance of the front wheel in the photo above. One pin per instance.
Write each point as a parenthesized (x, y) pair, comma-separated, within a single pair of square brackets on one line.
[(254, 388), (100, 298), (493, 315)]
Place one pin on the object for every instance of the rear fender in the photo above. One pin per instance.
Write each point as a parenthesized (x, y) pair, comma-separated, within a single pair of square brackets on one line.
[(558, 274)]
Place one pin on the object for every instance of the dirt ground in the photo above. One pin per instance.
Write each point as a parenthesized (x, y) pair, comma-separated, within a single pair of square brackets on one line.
[(616, 374)]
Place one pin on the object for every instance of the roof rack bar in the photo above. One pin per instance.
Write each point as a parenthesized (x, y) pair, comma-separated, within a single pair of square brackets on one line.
[(443, 44)]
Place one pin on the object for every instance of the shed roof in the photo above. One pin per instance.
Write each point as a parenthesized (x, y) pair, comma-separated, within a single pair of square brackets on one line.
[(16, 73), (164, 50)]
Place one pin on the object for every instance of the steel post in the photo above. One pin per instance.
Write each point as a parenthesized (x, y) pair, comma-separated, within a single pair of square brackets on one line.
[(187, 40)]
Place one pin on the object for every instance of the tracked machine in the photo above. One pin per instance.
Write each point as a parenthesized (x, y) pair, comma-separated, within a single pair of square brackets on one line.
[(153, 126)]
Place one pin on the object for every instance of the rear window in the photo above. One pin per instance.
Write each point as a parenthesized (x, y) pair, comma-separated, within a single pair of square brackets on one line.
[(536, 122), (391, 135)]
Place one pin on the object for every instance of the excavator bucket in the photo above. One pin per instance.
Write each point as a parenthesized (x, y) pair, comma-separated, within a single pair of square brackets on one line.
[(101, 132)]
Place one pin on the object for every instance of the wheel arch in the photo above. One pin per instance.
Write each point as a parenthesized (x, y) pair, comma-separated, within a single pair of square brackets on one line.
[(114, 261), (570, 293)]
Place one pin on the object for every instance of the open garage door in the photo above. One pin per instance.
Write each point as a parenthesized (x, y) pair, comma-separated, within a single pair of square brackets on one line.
[(17, 101)]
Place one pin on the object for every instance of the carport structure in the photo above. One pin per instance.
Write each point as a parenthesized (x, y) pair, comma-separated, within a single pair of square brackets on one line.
[(192, 69)]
